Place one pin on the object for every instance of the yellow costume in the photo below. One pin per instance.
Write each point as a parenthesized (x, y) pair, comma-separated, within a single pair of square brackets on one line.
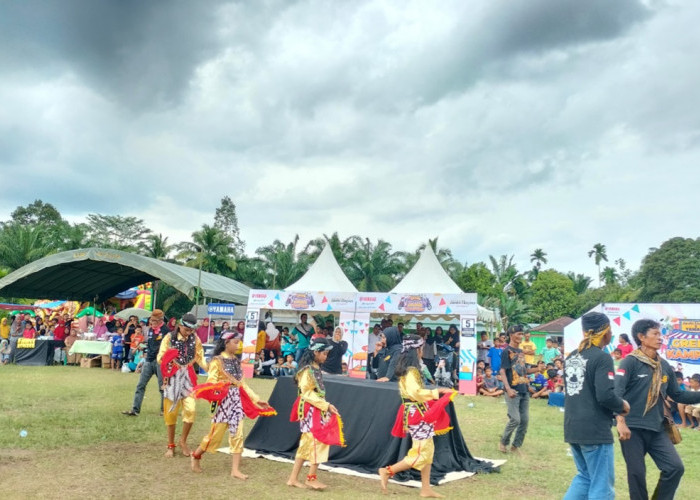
[(414, 394), (311, 391), (229, 413), (179, 386)]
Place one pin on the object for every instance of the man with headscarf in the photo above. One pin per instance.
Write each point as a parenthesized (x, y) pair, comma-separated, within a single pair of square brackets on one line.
[(645, 379), (590, 403), (158, 330), (387, 367)]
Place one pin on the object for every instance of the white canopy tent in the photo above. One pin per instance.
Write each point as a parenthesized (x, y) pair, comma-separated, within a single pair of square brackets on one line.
[(324, 274), (428, 276)]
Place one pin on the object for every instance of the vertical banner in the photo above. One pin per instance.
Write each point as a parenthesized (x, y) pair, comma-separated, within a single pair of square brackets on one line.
[(252, 316), (467, 355), (355, 328)]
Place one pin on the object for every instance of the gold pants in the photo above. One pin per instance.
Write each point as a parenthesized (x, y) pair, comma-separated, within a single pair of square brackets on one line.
[(420, 454), (312, 450), (211, 441), (188, 407)]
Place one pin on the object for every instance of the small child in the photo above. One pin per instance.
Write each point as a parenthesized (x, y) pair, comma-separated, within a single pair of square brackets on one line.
[(289, 367), (117, 341), (442, 376), (479, 379), (276, 369), (5, 349), (344, 368), (491, 386)]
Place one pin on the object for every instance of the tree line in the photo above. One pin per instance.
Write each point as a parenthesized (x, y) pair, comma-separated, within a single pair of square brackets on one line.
[(669, 273)]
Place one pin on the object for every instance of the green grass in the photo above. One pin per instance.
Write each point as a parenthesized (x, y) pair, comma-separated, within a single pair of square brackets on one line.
[(79, 444)]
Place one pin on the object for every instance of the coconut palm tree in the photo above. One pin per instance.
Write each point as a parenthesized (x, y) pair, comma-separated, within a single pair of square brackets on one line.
[(444, 256), (610, 276), (21, 244), (505, 272), (342, 249), (282, 262), (599, 254), (210, 249), (581, 282), (374, 268), (157, 247)]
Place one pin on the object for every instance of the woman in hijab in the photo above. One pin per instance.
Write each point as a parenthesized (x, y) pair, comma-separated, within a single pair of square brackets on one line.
[(429, 348), (100, 329), (387, 366)]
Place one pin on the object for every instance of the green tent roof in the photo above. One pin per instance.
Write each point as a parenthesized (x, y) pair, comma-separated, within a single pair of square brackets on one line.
[(97, 272)]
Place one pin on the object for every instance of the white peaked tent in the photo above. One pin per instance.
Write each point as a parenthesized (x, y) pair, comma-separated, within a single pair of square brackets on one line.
[(325, 274), (428, 276)]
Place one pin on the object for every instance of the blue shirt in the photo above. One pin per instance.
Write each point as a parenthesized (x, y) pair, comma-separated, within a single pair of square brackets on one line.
[(117, 343), (495, 356)]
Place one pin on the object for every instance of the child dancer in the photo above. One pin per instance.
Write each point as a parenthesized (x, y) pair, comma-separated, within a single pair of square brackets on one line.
[(239, 400), (318, 419), (179, 351), (421, 414)]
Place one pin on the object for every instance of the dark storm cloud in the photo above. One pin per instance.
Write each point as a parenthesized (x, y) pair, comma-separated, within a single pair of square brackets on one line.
[(141, 53)]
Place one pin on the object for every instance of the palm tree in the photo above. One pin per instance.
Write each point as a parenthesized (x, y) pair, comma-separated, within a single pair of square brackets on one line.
[(505, 272), (21, 244), (599, 253), (283, 265), (157, 247), (444, 256), (342, 249), (512, 309), (374, 268), (581, 282), (610, 276), (539, 257), (210, 249)]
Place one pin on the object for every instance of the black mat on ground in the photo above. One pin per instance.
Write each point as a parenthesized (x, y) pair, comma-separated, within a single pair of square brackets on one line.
[(368, 409), (40, 355)]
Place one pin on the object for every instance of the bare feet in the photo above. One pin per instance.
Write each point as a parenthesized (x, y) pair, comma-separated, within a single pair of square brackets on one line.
[(315, 485), (295, 482), (169, 453), (195, 464), (429, 493), (384, 477), (185, 449), (239, 475), (502, 448)]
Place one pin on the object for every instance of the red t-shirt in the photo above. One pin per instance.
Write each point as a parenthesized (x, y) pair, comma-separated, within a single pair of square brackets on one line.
[(625, 349), (29, 333), (59, 333)]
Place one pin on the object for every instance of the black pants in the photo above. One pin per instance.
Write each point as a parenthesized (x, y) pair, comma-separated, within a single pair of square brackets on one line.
[(663, 453)]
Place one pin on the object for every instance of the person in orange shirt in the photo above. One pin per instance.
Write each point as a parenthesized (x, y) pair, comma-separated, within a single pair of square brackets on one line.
[(136, 340)]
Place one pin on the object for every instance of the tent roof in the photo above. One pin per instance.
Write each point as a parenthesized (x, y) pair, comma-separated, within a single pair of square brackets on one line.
[(324, 275), (428, 276), (97, 272)]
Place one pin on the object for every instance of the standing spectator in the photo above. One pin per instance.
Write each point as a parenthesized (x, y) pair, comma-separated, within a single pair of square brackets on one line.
[(129, 330), (117, 341), (617, 357), (333, 363), (549, 353), (482, 348), (590, 403), (378, 358), (4, 329), (373, 338), (624, 345), (688, 411), (529, 349), (646, 380), (387, 370), (150, 367), (303, 332), (429, 348), (452, 340), (288, 344), (494, 356), (514, 377), (204, 331), (215, 330)]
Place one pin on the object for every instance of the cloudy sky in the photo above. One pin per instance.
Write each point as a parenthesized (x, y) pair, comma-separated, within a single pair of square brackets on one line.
[(498, 126)]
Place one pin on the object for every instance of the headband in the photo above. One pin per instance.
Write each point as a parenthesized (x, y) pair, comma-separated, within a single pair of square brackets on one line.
[(409, 344)]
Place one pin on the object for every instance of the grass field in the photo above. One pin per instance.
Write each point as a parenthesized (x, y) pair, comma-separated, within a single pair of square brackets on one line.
[(78, 444)]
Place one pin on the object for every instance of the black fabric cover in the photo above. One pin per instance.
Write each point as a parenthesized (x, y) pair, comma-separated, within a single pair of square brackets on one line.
[(41, 355), (368, 410)]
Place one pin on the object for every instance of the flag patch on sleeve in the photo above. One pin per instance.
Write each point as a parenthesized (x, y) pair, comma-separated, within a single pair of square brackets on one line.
[(621, 372), (611, 375)]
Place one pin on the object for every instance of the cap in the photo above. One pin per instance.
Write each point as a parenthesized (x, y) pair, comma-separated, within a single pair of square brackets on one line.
[(189, 321)]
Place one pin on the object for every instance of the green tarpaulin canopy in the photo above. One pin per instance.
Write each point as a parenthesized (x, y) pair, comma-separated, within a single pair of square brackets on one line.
[(97, 272), (89, 311)]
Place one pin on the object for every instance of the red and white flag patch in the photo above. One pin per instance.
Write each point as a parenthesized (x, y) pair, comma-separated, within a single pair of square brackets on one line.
[(621, 372), (611, 375)]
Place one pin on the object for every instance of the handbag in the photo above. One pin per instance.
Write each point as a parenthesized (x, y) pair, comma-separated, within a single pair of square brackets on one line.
[(670, 427)]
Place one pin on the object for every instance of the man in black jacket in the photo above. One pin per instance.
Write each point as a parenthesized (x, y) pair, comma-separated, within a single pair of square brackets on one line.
[(334, 361), (645, 379), (157, 331), (590, 403), (387, 368)]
